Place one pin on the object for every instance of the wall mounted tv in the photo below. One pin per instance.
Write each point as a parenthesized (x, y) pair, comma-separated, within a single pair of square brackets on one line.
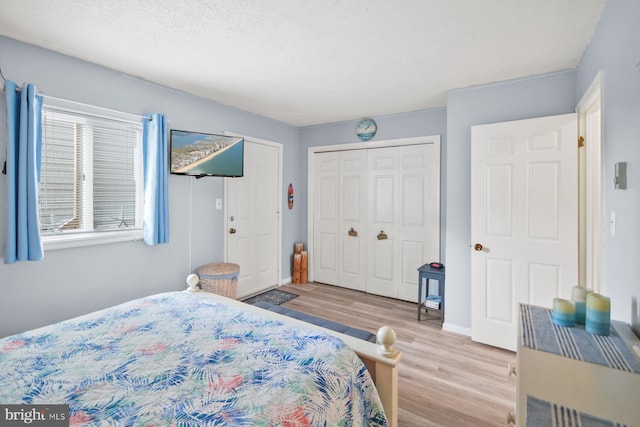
[(206, 154)]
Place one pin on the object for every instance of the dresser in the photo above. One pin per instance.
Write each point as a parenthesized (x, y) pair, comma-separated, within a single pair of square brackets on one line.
[(567, 373)]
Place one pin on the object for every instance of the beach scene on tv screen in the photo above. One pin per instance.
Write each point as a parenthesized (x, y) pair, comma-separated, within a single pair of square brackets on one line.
[(195, 153)]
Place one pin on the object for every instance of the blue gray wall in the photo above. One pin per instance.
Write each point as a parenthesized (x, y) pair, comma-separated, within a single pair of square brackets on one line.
[(75, 281), (519, 99), (407, 125), (615, 49)]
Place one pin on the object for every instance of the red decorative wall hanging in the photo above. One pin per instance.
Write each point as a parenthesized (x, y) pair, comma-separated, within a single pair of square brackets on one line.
[(290, 196)]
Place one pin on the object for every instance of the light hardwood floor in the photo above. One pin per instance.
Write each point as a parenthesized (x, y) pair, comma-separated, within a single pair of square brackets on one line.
[(443, 379)]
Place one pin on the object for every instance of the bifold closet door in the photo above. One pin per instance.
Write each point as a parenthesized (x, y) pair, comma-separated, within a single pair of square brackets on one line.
[(403, 212), (339, 218), (376, 217)]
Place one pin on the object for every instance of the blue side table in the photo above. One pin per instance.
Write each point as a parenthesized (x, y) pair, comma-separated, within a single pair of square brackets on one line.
[(427, 272)]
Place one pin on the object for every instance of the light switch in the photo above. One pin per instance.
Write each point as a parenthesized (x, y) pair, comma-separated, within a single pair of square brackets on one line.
[(218, 204), (612, 223)]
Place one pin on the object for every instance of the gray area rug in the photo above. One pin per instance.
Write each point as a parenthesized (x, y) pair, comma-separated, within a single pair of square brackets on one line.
[(274, 296)]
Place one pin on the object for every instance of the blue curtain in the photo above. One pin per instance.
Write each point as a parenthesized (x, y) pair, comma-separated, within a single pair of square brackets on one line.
[(155, 225), (24, 150)]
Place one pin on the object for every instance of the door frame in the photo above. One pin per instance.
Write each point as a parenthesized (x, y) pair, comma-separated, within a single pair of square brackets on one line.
[(591, 216), (399, 142), (279, 147)]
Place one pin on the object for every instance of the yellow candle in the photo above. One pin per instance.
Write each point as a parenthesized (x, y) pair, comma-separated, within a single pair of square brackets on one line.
[(598, 302), (562, 306)]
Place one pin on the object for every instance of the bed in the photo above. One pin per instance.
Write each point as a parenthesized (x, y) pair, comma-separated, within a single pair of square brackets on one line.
[(192, 359)]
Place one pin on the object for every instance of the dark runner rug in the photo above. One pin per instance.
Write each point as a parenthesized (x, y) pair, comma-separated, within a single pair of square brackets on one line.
[(274, 296)]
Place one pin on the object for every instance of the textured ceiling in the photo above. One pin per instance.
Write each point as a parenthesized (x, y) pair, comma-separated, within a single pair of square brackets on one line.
[(307, 62)]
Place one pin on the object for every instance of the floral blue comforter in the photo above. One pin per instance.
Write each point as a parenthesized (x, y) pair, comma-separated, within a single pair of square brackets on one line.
[(176, 359)]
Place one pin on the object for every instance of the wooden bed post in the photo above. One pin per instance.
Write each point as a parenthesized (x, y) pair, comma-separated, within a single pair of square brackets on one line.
[(385, 376)]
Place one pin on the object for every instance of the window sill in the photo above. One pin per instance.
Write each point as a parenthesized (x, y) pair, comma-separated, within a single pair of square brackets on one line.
[(65, 241)]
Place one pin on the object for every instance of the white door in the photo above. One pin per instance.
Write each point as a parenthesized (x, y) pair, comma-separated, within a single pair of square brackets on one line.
[(403, 217), (382, 234), (253, 208), (326, 217), (524, 221), (339, 218), (352, 257)]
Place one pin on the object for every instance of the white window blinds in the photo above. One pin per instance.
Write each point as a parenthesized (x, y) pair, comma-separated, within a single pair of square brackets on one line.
[(91, 177)]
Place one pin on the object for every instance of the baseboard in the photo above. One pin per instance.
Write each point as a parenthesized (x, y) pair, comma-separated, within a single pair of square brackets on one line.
[(455, 329), (286, 280)]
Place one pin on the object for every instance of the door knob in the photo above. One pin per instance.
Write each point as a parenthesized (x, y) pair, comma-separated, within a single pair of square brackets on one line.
[(382, 235), (478, 247), (232, 231)]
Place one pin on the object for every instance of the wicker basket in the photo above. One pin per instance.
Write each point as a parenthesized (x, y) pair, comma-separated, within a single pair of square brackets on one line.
[(220, 278)]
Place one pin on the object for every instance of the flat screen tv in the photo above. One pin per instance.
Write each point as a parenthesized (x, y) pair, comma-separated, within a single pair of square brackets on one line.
[(206, 154)]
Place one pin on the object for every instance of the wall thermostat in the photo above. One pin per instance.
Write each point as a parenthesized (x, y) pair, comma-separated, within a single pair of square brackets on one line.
[(620, 178)]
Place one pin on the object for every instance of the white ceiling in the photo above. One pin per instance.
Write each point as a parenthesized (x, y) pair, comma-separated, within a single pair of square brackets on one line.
[(307, 62)]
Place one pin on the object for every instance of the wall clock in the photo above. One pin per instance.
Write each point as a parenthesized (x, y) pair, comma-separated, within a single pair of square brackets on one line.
[(366, 129)]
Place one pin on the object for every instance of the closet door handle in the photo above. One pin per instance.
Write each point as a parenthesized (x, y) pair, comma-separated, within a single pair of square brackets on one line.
[(352, 232), (232, 231), (382, 235)]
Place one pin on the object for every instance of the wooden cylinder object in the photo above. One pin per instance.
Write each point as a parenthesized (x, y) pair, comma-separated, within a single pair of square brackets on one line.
[(297, 268), (303, 276), (298, 247), (303, 260)]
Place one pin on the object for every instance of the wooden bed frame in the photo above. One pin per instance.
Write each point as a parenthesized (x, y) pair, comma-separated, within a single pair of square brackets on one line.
[(383, 369)]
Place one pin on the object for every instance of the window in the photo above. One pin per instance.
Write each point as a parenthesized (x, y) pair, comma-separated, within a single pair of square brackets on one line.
[(91, 176)]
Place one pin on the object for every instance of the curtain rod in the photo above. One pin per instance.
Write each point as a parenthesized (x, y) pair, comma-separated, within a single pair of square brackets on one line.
[(92, 110), (87, 109)]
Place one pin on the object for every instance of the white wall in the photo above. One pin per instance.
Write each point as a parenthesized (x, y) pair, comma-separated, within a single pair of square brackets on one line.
[(75, 281), (615, 49)]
